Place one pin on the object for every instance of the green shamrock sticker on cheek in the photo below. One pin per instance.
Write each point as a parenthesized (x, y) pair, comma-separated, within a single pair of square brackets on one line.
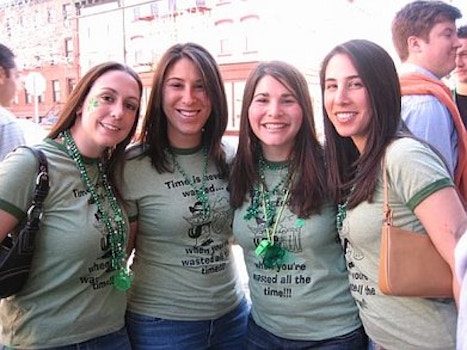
[(92, 105), (300, 222)]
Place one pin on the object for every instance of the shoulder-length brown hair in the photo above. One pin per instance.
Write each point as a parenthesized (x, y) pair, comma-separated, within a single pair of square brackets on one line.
[(75, 101), (309, 188), (154, 131)]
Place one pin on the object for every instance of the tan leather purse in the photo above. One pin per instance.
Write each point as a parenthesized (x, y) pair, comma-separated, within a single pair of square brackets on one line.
[(410, 265)]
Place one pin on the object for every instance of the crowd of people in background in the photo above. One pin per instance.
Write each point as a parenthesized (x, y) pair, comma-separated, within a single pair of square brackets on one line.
[(306, 213)]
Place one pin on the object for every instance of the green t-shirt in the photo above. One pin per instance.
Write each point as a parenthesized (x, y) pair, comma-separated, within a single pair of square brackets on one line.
[(307, 297), (414, 173), (183, 264), (69, 297)]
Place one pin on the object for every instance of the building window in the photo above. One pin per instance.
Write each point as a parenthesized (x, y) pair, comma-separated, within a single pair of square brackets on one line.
[(139, 53), (224, 30), (172, 6), (138, 13), (56, 91), (49, 16), (8, 27), (146, 12), (155, 8), (251, 41), (67, 12), (71, 83), (69, 49), (30, 98)]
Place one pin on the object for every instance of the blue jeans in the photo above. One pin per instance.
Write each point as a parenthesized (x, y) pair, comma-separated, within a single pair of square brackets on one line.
[(260, 339), (114, 341), (225, 333)]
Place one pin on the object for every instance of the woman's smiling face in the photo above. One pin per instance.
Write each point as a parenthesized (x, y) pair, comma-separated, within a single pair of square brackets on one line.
[(275, 117), (346, 100), (185, 103)]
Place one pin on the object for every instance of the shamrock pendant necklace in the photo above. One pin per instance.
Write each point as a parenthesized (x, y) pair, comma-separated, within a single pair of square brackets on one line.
[(273, 254), (201, 193), (122, 277)]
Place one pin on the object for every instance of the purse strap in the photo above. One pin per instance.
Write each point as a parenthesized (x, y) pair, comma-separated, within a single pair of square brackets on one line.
[(387, 211), (34, 214)]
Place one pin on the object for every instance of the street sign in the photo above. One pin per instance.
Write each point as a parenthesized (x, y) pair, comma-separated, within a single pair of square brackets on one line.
[(35, 83)]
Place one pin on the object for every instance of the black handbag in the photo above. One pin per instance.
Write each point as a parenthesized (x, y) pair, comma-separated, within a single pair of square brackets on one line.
[(16, 250)]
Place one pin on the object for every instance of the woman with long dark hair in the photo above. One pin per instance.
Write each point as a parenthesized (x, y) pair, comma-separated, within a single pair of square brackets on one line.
[(364, 137)]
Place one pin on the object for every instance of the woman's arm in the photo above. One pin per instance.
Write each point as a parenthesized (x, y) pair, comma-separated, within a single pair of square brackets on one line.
[(444, 219)]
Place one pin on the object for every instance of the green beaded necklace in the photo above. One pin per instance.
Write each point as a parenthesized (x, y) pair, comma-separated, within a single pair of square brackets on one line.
[(201, 193), (122, 277), (261, 190), (341, 215), (273, 254), (342, 212)]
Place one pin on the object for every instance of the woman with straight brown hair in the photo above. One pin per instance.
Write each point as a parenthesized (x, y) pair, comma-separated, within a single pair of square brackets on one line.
[(186, 294)]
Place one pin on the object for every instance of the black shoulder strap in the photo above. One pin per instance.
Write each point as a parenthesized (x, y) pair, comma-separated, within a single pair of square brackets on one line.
[(40, 192), (42, 180)]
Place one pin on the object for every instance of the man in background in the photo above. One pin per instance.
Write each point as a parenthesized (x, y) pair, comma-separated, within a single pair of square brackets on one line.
[(424, 34), (460, 74), (11, 134)]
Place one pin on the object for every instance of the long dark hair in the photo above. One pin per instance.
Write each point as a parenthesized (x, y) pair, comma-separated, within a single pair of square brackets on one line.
[(379, 76), (154, 131), (309, 190)]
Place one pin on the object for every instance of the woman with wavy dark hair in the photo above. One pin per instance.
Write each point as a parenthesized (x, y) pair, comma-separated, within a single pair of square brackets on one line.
[(186, 292)]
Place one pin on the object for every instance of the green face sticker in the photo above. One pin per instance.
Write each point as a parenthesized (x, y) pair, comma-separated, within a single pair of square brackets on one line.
[(299, 222), (93, 103)]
